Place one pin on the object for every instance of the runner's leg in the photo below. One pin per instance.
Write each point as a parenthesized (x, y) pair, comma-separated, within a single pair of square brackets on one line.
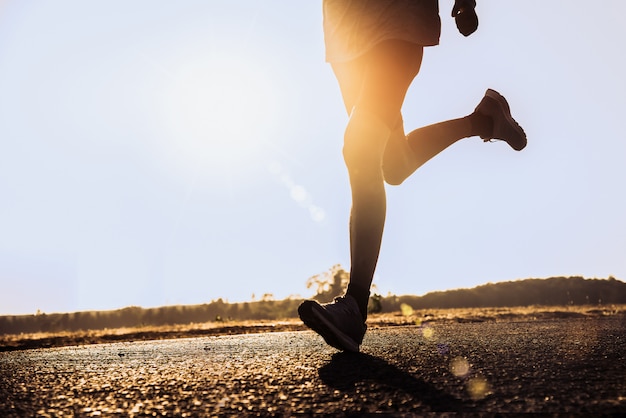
[(406, 153), (373, 87)]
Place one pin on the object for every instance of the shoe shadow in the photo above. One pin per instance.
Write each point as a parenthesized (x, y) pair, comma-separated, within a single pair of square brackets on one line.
[(356, 372)]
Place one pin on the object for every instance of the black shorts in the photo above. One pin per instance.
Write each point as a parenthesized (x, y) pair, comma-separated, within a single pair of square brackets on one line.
[(353, 27)]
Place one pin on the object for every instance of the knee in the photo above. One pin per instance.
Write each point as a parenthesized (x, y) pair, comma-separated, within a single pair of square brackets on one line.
[(364, 143), (358, 155), (395, 169), (393, 175), (399, 159)]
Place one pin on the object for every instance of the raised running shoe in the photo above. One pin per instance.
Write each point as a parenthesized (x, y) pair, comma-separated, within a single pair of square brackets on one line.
[(505, 128)]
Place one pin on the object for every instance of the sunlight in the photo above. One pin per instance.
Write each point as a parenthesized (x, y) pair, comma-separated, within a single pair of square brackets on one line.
[(221, 111)]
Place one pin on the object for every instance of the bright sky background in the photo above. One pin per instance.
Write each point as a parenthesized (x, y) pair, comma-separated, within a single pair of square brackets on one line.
[(160, 152)]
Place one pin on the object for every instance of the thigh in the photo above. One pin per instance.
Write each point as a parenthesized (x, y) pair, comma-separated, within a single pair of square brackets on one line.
[(379, 79)]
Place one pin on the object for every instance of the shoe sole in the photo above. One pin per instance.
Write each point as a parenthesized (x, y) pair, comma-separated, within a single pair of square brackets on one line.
[(506, 110), (312, 318)]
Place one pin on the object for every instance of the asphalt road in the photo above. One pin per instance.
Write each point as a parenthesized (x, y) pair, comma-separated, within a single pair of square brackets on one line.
[(557, 366)]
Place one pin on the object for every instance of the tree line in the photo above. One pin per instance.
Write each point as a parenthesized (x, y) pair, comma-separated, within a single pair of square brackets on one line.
[(555, 291)]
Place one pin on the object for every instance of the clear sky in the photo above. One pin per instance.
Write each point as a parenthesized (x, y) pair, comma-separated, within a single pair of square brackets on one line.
[(160, 152)]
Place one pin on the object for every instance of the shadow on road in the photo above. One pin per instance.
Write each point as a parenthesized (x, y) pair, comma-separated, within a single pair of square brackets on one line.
[(353, 372)]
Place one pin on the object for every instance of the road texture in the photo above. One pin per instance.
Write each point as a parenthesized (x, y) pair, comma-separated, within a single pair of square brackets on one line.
[(562, 366)]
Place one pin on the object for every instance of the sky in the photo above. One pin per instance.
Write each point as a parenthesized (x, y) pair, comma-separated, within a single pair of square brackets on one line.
[(157, 152)]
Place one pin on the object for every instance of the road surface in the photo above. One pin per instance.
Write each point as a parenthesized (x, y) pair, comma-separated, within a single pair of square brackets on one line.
[(544, 366)]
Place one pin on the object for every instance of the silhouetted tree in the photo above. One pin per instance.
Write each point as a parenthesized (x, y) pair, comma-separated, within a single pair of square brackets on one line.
[(329, 284)]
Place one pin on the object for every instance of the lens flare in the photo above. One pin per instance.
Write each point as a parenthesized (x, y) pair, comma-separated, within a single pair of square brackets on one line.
[(428, 332), (298, 193), (459, 367), (406, 309), (478, 387)]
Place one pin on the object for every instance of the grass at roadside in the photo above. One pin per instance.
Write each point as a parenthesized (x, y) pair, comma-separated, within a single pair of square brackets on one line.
[(407, 316)]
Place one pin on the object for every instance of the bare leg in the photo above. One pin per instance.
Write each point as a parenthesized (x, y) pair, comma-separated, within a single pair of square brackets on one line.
[(372, 159), (373, 89), (364, 145), (405, 154), (342, 322), (369, 166)]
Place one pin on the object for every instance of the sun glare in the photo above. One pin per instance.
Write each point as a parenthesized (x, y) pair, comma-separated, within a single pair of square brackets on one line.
[(221, 111)]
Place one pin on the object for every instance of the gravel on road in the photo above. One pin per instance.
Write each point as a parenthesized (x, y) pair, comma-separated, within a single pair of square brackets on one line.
[(571, 365)]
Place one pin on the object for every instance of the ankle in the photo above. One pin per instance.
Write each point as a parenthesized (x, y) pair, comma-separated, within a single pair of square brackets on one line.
[(361, 295), (481, 125)]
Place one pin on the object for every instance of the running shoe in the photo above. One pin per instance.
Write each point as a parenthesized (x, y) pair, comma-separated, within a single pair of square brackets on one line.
[(340, 322), (505, 128)]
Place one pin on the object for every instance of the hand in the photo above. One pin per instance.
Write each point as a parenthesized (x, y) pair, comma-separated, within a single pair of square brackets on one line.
[(464, 15)]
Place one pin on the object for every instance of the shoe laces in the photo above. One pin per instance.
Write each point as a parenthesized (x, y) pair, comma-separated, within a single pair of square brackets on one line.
[(340, 304)]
